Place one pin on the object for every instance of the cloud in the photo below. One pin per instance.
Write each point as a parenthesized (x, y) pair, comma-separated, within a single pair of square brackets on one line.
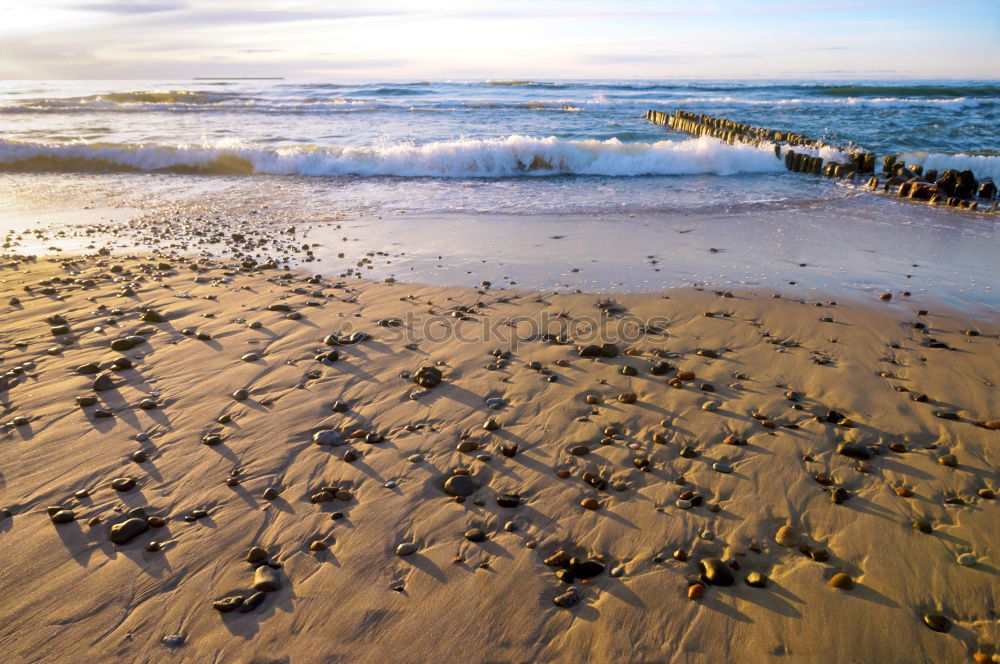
[(129, 7)]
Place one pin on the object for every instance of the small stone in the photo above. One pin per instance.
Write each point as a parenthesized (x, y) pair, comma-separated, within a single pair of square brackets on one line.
[(228, 604), (123, 483), (328, 437), (317, 545), (937, 622), (590, 503), (696, 591), (428, 377), (756, 580), (406, 548), (270, 493), (967, 560), (266, 579), (721, 467), (949, 460), (579, 450), (786, 537), (62, 516), (922, 526), (475, 535), (715, 572), (710, 406), (459, 485), (841, 581), (250, 357), (854, 450), (103, 383), (568, 599), (252, 602), (125, 532)]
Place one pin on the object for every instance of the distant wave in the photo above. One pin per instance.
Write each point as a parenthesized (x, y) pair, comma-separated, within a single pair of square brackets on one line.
[(200, 102), (910, 91), (503, 157)]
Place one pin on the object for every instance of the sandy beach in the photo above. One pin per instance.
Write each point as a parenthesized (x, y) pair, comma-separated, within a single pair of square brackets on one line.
[(733, 477)]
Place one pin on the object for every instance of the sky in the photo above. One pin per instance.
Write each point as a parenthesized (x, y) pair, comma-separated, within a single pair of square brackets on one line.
[(478, 39)]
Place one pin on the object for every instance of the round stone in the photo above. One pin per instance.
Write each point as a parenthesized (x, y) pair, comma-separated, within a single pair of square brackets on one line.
[(786, 536), (949, 460), (715, 572), (937, 622), (406, 548), (256, 554), (459, 485), (590, 503), (328, 437), (475, 535), (266, 579), (967, 559), (841, 581)]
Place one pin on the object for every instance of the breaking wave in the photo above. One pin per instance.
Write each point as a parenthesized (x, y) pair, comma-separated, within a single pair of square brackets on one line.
[(502, 157)]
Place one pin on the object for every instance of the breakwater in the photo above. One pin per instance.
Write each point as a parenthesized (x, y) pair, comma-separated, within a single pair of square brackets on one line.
[(802, 154)]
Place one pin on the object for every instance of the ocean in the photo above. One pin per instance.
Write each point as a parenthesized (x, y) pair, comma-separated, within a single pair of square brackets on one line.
[(504, 153)]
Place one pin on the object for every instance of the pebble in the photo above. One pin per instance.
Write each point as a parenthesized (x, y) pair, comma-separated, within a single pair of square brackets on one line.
[(123, 483), (590, 503), (710, 406), (786, 537), (967, 559), (715, 572), (568, 599), (949, 460), (62, 516), (841, 581), (854, 450), (721, 467), (696, 591), (937, 622), (475, 535), (126, 531), (228, 604), (459, 485), (328, 437), (252, 602), (266, 579), (406, 548), (756, 580)]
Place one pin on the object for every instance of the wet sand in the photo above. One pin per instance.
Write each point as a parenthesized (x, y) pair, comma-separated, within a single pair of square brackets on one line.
[(664, 468)]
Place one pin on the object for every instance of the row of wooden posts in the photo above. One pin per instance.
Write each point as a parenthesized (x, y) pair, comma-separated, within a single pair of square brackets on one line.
[(737, 132)]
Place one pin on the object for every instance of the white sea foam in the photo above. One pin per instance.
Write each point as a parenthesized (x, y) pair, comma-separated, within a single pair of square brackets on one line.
[(981, 165), (502, 157)]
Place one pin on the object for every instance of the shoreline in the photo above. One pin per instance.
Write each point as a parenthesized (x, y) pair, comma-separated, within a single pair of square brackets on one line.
[(789, 389), (806, 249)]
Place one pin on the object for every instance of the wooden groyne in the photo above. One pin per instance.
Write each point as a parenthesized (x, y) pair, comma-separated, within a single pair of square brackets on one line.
[(959, 189)]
